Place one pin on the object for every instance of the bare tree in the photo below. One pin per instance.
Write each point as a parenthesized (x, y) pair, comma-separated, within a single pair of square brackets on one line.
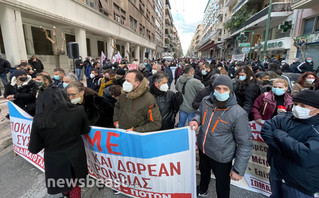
[(57, 51)]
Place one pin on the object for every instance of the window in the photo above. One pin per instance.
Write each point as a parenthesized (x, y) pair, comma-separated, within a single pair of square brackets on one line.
[(133, 23), (311, 25), (42, 46), (148, 14), (100, 47), (116, 7), (1, 43), (123, 17), (133, 2), (69, 38), (117, 18), (142, 7), (148, 34), (142, 30), (88, 46)]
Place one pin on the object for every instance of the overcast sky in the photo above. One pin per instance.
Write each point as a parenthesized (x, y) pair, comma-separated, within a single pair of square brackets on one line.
[(187, 14)]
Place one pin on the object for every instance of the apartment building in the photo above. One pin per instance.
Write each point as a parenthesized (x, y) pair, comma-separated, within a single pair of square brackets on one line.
[(196, 43), (133, 27)]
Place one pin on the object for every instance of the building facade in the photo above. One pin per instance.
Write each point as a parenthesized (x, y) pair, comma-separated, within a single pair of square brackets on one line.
[(196, 43), (132, 27)]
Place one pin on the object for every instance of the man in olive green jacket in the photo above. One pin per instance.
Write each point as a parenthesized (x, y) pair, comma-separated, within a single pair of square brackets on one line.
[(136, 110)]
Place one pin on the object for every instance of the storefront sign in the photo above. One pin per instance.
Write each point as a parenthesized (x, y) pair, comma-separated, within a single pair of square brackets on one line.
[(283, 43)]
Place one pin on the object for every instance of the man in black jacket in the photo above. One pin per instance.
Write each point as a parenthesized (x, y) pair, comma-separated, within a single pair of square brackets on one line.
[(293, 140), (4, 69), (294, 65), (36, 64), (306, 66), (206, 73), (166, 100)]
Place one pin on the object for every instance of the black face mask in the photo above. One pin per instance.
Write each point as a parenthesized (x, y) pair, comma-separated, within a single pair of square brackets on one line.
[(23, 79), (266, 82), (106, 79)]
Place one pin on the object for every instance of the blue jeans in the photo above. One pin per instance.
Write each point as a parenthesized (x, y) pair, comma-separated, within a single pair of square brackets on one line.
[(183, 116), (282, 190), (78, 74)]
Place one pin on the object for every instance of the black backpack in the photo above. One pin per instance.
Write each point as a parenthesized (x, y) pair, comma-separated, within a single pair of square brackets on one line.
[(179, 95)]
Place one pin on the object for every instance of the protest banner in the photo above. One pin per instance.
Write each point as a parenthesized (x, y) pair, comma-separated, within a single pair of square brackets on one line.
[(151, 165), (132, 66)]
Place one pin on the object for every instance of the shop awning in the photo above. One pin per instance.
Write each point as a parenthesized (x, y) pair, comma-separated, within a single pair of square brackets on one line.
[(206, 46)]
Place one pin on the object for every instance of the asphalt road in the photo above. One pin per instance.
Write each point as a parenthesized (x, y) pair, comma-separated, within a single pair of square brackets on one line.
[(20, 179)]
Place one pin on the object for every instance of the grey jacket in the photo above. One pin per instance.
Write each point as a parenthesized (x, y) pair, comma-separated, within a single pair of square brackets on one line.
[(224, 133), (192, 88)]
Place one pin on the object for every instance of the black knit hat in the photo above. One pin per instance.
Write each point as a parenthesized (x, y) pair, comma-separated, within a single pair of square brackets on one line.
[(223, 80), (19, 72), (308, 97), (120, 71)]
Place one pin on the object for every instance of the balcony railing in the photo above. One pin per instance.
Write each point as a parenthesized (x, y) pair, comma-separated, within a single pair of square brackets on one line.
[(235, 9), (276, 7)]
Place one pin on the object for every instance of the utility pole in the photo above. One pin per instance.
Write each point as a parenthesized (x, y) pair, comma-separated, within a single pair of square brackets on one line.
[(267, 29)]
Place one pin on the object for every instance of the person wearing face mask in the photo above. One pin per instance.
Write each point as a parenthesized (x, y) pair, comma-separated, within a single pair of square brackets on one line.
[(165, 99), (58, 74), (98, 110), (22, 91), (293, 142), (119, 77), (247, 89), (271, 103), (308, 80), (306, 66), (95, 80), (142, 68), (224, 135), (189, 87), (78, 67), (178, 71), (284, 66), (207, 73), (106, 81), (294, 65), (156, 68), (136, 109), (68, 78)]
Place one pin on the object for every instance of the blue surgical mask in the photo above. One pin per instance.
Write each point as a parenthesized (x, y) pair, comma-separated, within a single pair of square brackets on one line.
[(204, 72), (242, 78), (309, 61), (221, 97), (278, 91), (56, 77), (65, 84), (145, 63)]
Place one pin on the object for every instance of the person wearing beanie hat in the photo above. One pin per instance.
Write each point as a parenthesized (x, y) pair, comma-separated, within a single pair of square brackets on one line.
[(119, 77), (22, 91), (224, 135), (293, 141)]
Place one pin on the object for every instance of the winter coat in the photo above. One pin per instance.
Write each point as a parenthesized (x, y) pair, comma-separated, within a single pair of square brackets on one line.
[(293, 151), (293, 67), (78, 64), (64, 153), (105, 84), (108, 96), (168, 106), (58, 83), (95, 83), (37, 65), (146, 73), (246, 95), (206, 78), (25, 95), (202, 94), (98, 110), (119, 81), (224, 133), (5, 66), (265, 105), (170, 75), (305, 67), (138, 110), (298, 88), (178, 73), (192, 88)]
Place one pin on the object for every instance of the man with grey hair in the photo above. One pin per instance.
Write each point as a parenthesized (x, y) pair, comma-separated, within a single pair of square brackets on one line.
[(155, 68), (142, 68), (68, 78), (294, 65), (165, 99)]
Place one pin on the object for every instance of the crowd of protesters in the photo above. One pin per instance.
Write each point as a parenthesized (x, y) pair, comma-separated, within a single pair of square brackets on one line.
[(217, 98)]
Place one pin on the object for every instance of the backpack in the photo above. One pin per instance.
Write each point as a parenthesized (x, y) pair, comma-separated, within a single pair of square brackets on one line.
[(179, 96)]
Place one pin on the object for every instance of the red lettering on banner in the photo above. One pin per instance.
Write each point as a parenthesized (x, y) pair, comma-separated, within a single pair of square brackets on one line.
[(18, 137), (256, 136), (150, 171), (121, 167), (20, 127), (163, 171), (108, 163), (140, 168), (109, 144), (96, 138), (252, 126), (136, 182), (257, 184), (146, 194), (173, 168), (146, 183)]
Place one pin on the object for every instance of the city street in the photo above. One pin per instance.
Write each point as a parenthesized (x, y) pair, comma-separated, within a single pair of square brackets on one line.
[(20, 179)]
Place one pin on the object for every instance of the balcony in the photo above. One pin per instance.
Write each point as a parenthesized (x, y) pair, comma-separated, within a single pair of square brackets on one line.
[(279, 9), (230, 3), (238, 6), (303, 4)]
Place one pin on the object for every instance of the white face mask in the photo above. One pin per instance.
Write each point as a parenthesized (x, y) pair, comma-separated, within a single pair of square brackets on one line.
[(310, 81), (76, 100), (164, 87), (301, 113), (154, 71), (127, 87), (92, 75)]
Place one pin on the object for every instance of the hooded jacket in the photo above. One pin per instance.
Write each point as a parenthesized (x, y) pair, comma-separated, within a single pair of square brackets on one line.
[(192, 88), (293, 151), (138, 110), (265, 105), (25, 94), (224, 133)]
